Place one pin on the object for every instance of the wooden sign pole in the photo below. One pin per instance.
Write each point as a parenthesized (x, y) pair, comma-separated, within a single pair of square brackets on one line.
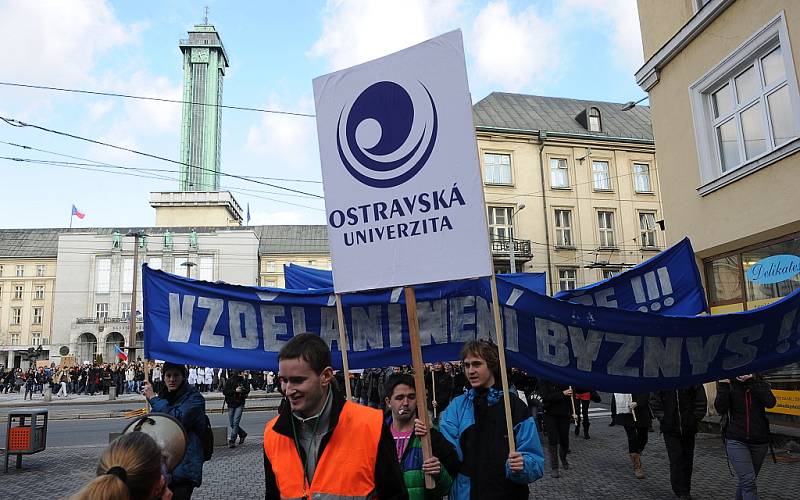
[(419, 377), (501, 351), (343, 346)]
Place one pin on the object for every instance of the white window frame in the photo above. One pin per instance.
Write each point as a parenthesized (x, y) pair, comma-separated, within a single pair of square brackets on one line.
[(125, 310), (643, 231), (40, 270), (101, 310), (14, 338), (205, 268), (609, 273), (606, 233), (498, 182), (641, 175), (127, 275), (559, 167), (38, 293), (595, 177), (759, 44), (38, 315), (564, 280), (16, 315), (19, 291), (590, 125), (496, 228), (563, 234), (20, 271), (36, 338), (102, 278)]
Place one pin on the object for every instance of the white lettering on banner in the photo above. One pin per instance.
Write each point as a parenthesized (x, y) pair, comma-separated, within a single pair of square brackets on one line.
[(551, 342), (298, 320), (329, 327), (215, 308), (701, 354), (395, 326), (737, 344), (660, 358), (367, 327), (247, 339), (272, 327), (618, 365), (511, 329), (180, 317), (432, 317), (460, 319), (585, 348)]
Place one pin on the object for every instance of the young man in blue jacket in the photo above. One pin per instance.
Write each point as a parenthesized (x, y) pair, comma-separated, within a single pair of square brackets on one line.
[(475, 424), (187, 405)]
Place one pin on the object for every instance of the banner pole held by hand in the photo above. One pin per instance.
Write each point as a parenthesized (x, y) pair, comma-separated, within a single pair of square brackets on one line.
[(501, 351), (343, 345)]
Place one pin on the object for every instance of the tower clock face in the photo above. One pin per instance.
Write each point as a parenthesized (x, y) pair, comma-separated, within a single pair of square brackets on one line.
[(200, 55)]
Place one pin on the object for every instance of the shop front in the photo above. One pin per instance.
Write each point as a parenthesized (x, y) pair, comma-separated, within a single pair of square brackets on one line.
[(752, 277)]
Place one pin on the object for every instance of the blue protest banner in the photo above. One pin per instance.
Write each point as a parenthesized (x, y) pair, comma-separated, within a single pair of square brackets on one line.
[(668, 283), (229, 326)]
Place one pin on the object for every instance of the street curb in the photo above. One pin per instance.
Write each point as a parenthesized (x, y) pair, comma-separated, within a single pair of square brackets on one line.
[(121, 414)]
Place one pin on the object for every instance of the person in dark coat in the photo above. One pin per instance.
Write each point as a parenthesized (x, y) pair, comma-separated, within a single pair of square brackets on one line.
[(633, 413), (743, 402), (235, 391), (557, 404), (679, 412)]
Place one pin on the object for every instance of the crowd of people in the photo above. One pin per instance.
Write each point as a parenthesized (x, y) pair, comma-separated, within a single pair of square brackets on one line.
[(321, 442)]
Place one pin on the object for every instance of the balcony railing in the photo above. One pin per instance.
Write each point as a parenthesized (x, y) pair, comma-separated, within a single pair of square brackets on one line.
[(501, 248)]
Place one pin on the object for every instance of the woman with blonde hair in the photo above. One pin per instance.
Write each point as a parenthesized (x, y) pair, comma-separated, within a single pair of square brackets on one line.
[(129, 469)]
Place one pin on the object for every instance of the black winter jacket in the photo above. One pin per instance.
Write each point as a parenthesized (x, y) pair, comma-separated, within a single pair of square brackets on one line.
[(745, 403), (680, 410), (553, 399), (232, 398)]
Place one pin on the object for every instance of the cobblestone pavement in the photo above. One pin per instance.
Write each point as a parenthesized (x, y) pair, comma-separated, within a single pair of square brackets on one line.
[(600, 469)]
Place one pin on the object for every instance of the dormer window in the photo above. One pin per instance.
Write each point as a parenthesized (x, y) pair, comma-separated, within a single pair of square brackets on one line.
[(595, 124)]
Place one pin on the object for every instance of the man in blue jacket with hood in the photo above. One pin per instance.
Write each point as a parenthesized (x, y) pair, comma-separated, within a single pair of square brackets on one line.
[(475, 424), (187, 405)]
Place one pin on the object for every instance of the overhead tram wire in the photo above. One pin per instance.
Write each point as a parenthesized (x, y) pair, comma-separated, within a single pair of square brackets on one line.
[(158, 99), (21, 124)]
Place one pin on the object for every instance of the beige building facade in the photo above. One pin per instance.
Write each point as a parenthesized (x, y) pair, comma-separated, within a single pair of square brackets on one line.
[(574, 184), (722, 80), (303, 245)]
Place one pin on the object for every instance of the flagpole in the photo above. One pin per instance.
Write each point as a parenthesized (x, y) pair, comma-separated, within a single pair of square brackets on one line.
[(71, 216)]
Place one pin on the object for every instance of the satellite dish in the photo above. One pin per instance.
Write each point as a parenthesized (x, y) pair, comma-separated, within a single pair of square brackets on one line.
[(64, 350)]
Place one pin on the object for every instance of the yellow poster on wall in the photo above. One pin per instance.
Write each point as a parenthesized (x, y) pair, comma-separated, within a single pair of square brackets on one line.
[(788, 402)]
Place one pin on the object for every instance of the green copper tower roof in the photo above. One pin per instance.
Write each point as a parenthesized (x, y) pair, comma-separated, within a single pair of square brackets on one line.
[(204, 63)]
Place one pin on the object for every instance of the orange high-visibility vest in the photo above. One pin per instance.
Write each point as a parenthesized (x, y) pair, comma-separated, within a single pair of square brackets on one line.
[(347, 465)]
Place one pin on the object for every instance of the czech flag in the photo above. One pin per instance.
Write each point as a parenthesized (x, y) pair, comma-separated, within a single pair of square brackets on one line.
[(121, 355), (77, 212)]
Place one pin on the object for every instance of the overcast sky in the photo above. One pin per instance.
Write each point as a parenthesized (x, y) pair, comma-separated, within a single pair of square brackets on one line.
[(584, 49)]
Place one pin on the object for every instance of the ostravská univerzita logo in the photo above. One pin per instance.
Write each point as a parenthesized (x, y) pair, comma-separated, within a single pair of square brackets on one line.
[(387, 134)]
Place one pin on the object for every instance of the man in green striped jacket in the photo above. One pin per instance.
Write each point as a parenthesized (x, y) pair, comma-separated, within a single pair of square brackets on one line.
[(407, 430)]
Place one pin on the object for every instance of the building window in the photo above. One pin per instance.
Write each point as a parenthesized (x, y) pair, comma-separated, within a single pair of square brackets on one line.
[(127, 275), (125, 310), (641, 178), (647, 229), (608, 273), (559, 174), (595, 125), (38, 293), (36, 338), (18, 292), (101, 310), (567, 279), (270, 266), (497, 168), (40, 268), (102, 275), (500, 225), (37, 316), (600, 175), (271, 284), (746, 108), (1, 270), (15, 339), (564, 228), (205, 270), (16, 315), (20, 270), (605, 224), (154, 262)]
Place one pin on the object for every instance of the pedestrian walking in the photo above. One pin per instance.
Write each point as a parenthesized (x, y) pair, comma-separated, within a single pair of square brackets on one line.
[(209, 380), (584, 398), (633, 413), (130, 378), (475, 424), (742, 402), (62, 377), (270, 381), (29, 385), (320, 444), (186, 404), (407, 431), (193, 377), (235, 392), (679, 412), (557, 404)]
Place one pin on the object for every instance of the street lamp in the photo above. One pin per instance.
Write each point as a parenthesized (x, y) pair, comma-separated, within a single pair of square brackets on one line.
[(189, 264), (631, 104), (519, 208)]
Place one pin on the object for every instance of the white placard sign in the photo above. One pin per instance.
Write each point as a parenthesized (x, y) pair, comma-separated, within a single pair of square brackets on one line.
[(403, 192)]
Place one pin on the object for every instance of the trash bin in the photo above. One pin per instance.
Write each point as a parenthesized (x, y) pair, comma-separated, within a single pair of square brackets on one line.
[(26, 433), (112, 393)]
